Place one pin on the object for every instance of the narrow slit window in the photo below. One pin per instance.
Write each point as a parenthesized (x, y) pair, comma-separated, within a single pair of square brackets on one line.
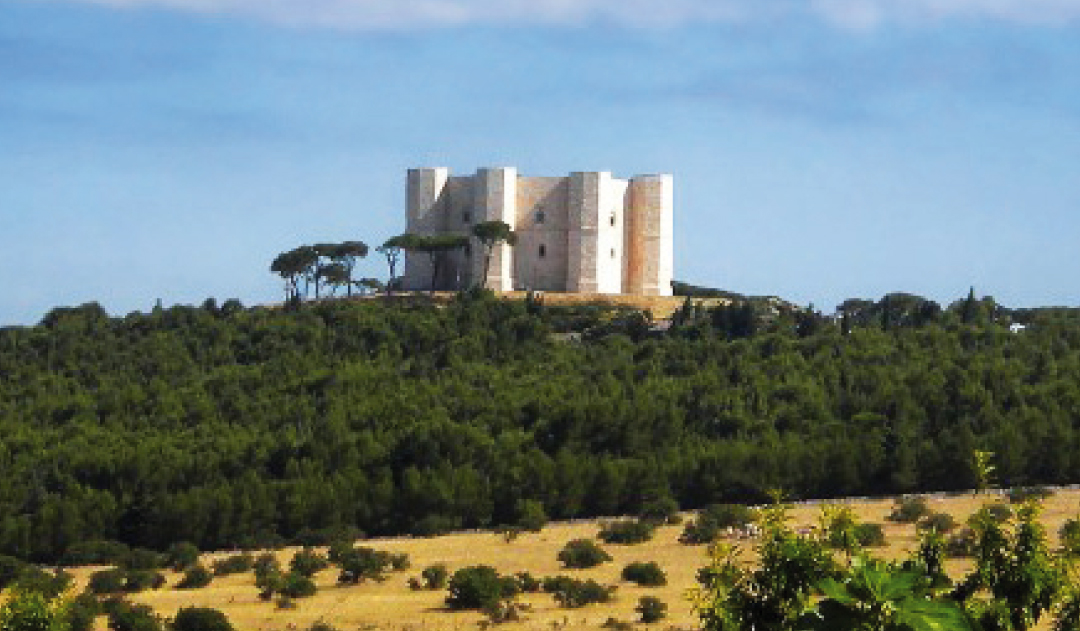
[(543, 250), (540, 216), (466, 217), (613, 219), (612, 252)]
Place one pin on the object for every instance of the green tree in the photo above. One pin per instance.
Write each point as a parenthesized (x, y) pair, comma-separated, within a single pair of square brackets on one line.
[(391, 249), (491, 234)]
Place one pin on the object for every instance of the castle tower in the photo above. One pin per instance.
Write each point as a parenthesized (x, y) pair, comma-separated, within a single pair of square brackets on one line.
[(649, 234), (426, 217), (495, 199)]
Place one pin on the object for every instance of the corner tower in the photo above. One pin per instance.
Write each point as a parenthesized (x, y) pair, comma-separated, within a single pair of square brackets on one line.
[(650, 231)]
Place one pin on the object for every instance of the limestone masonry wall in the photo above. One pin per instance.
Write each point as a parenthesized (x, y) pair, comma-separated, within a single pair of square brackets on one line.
[(586, 232)]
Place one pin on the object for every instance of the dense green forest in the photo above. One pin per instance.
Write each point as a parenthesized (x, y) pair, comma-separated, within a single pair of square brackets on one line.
[(231, 426)]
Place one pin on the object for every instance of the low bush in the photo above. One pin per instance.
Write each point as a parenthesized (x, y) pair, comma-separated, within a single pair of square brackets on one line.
[(476, 587), (181, 555), (531, 516), (296, 585), (195, 577), (652, 609), (143, 559), (659, 510), (582, 553), (308, 562), (998, 512), (82, 612), (711, 521), (360, 564), (435, 576), (96, 552), (627, 532), (140, 580), (645, 574), (10, 569), (1021, 494), (528, 583), (909, 510), (938, 522), (109, 581), (200, 619), (124, 616), (234, 564), (962, 544), (870, 535), (573, 593)]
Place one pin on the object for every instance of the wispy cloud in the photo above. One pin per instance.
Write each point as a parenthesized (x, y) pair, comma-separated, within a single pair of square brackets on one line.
[(403, 14)]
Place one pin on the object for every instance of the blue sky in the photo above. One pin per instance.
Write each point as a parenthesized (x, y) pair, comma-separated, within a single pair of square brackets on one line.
[(823, 149)]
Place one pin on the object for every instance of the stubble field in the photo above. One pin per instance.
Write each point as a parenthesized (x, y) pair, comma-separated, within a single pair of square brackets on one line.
[(393, 605)]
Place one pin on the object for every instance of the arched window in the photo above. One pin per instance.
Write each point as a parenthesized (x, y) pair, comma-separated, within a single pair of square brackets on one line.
[(540, 216), (613, 220)]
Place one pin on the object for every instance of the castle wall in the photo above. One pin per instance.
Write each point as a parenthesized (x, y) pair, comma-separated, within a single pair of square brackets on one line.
[(610, 223), (541, 254)]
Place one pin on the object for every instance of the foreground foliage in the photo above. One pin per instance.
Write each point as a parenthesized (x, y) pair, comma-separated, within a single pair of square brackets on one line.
[(799, 585)]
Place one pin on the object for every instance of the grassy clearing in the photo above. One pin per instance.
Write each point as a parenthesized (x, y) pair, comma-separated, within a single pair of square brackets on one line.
[(392, 605)]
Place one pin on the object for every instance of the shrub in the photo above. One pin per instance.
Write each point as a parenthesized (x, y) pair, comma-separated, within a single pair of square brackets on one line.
[(573, 593), (909, 510), (1021, 494), (125, 616), (475, 587), (435, 576), (870, 535), (1070, 536), (582, 553), (645, 574), (652, 609), (617, 625), (400, 561), (181, 555), (96, 552), (531, 516), (49, 584), (322, 625), (195, 577), (938, 522), (143, 559), (139, 580), (712, 520), (962, 544), (659, 510), (82, 611), (503, 611), (627, 532), (308, 562), (528, 583), (360, 564), (296, 585), (10, 569), (109, 581), (200, 619), (234, 564)]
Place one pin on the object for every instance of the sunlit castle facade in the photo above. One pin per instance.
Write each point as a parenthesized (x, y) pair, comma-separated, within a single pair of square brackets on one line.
[(587, 232)]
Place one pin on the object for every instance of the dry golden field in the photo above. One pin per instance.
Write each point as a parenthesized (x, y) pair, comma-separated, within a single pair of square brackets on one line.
[(392, 605)]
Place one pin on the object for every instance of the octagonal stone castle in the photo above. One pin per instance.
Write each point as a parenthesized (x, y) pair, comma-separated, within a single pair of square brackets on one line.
[(587, 232)]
